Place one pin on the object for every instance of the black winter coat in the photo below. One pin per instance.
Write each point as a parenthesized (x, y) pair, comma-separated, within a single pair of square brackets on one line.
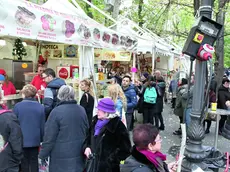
[(10, 132), (87, 102), (65, 133), (111, 146), (137, 162), (223, 96), (160, 98)]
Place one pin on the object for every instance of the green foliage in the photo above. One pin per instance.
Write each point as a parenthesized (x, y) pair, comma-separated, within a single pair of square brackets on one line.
[(97, 16), (227, 51), (174, 19)]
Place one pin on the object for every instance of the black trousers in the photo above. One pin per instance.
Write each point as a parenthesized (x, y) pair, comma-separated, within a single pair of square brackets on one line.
[(148, 115), (222, 122), (30, 160), (159, 119), (209, 123), (173, 102), (129, 121)]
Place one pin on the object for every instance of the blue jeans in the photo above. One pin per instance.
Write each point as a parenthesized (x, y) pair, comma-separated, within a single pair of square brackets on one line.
[(187, 116)]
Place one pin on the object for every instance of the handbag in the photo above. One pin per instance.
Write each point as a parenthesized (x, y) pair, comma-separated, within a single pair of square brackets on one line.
[(210, 116), (90, 164), (41, 167)]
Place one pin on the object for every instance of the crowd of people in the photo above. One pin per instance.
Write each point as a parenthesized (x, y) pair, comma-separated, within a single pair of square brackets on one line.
[(67, 137), (64, 134), (182, 98)]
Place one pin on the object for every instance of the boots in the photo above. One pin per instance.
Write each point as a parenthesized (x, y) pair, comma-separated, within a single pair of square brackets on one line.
[(177, 132)]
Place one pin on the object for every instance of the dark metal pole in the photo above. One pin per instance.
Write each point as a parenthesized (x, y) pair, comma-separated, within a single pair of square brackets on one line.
[(194, 152)]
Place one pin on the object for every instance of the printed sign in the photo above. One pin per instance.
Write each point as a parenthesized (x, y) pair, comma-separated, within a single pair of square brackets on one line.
[(28, 20), (63, 72), (102, 54)]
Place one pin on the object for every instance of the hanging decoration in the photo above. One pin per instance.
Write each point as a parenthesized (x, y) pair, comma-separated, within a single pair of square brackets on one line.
[(19, 51), (42, 60)]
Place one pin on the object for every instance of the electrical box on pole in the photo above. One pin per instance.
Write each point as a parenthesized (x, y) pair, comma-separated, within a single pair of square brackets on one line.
[(204, 31)]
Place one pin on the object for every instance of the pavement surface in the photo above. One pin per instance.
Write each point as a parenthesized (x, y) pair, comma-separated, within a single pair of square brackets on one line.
[(172, 124)]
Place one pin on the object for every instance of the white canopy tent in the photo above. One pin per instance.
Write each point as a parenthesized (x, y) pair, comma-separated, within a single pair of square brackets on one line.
[(148, 41), (86, 60)]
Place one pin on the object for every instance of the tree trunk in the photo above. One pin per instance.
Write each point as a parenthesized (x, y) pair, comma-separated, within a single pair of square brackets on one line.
[(196, 6), (140, 17), (89, 13), (220, 18), (116, 9)]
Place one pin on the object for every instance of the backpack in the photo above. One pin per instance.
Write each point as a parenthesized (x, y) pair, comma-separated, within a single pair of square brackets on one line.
[(150, 95), (3, 145)]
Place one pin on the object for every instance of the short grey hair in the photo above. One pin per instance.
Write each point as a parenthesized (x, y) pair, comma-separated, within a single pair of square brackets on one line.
[(66, 93)]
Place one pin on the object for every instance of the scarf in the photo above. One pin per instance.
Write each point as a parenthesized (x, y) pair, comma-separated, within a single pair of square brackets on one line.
[(153, 157), (99, 125), (3, 106)]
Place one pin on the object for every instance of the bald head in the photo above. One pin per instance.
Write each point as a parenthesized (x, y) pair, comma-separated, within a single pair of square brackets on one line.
[(158, 73)]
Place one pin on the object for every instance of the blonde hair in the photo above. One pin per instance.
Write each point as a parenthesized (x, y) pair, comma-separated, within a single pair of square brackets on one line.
[(88, 83), (115, 91), (29, 91)]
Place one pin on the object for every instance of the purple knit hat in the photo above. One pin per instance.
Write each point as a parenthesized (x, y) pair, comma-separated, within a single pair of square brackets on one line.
[(106, 105)]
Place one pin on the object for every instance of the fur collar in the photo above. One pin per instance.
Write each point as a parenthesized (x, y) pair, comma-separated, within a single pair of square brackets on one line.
[(112, 124)]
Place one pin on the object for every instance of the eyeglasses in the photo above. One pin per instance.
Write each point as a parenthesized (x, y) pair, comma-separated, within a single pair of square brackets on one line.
[(44, 77), (158, 140)]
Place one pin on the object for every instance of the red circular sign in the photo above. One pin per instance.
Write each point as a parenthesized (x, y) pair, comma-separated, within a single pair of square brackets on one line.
[(63, 73)]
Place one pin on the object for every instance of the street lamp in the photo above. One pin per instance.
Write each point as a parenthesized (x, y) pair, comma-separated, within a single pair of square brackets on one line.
[(204, 33)]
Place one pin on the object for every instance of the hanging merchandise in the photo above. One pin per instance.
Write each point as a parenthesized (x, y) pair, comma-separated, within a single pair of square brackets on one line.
[(42, 60), (19, 51)]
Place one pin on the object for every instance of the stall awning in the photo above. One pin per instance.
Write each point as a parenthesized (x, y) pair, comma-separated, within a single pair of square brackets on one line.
[(146, 42), (24, 19)]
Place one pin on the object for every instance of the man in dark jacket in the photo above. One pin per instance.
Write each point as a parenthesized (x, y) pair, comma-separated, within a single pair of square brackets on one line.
[(10, 142), (51, 91), (131, 97), (223, 96)]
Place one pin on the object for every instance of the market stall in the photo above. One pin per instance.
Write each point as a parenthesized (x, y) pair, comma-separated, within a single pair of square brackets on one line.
[(67, 27), (152, 50)]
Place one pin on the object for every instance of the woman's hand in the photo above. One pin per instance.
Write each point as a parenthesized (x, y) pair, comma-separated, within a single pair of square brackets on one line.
[(87, 152), (227, 103), (172, 166)]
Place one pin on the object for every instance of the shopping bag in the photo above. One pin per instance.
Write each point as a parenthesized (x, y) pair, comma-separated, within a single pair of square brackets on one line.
[(43, 168), (123, 118)]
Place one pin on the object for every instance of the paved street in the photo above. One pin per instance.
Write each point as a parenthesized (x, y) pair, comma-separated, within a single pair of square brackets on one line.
[(172, 124), (169, 139)]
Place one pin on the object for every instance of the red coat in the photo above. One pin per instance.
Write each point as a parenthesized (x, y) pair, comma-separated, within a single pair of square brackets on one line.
[(8, 88), (38, 82)]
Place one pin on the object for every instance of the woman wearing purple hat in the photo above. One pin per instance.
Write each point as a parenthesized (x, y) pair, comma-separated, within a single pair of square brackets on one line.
[(108, 139)]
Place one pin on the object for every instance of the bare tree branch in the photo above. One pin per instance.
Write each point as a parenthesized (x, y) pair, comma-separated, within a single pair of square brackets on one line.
[(177, 3)]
